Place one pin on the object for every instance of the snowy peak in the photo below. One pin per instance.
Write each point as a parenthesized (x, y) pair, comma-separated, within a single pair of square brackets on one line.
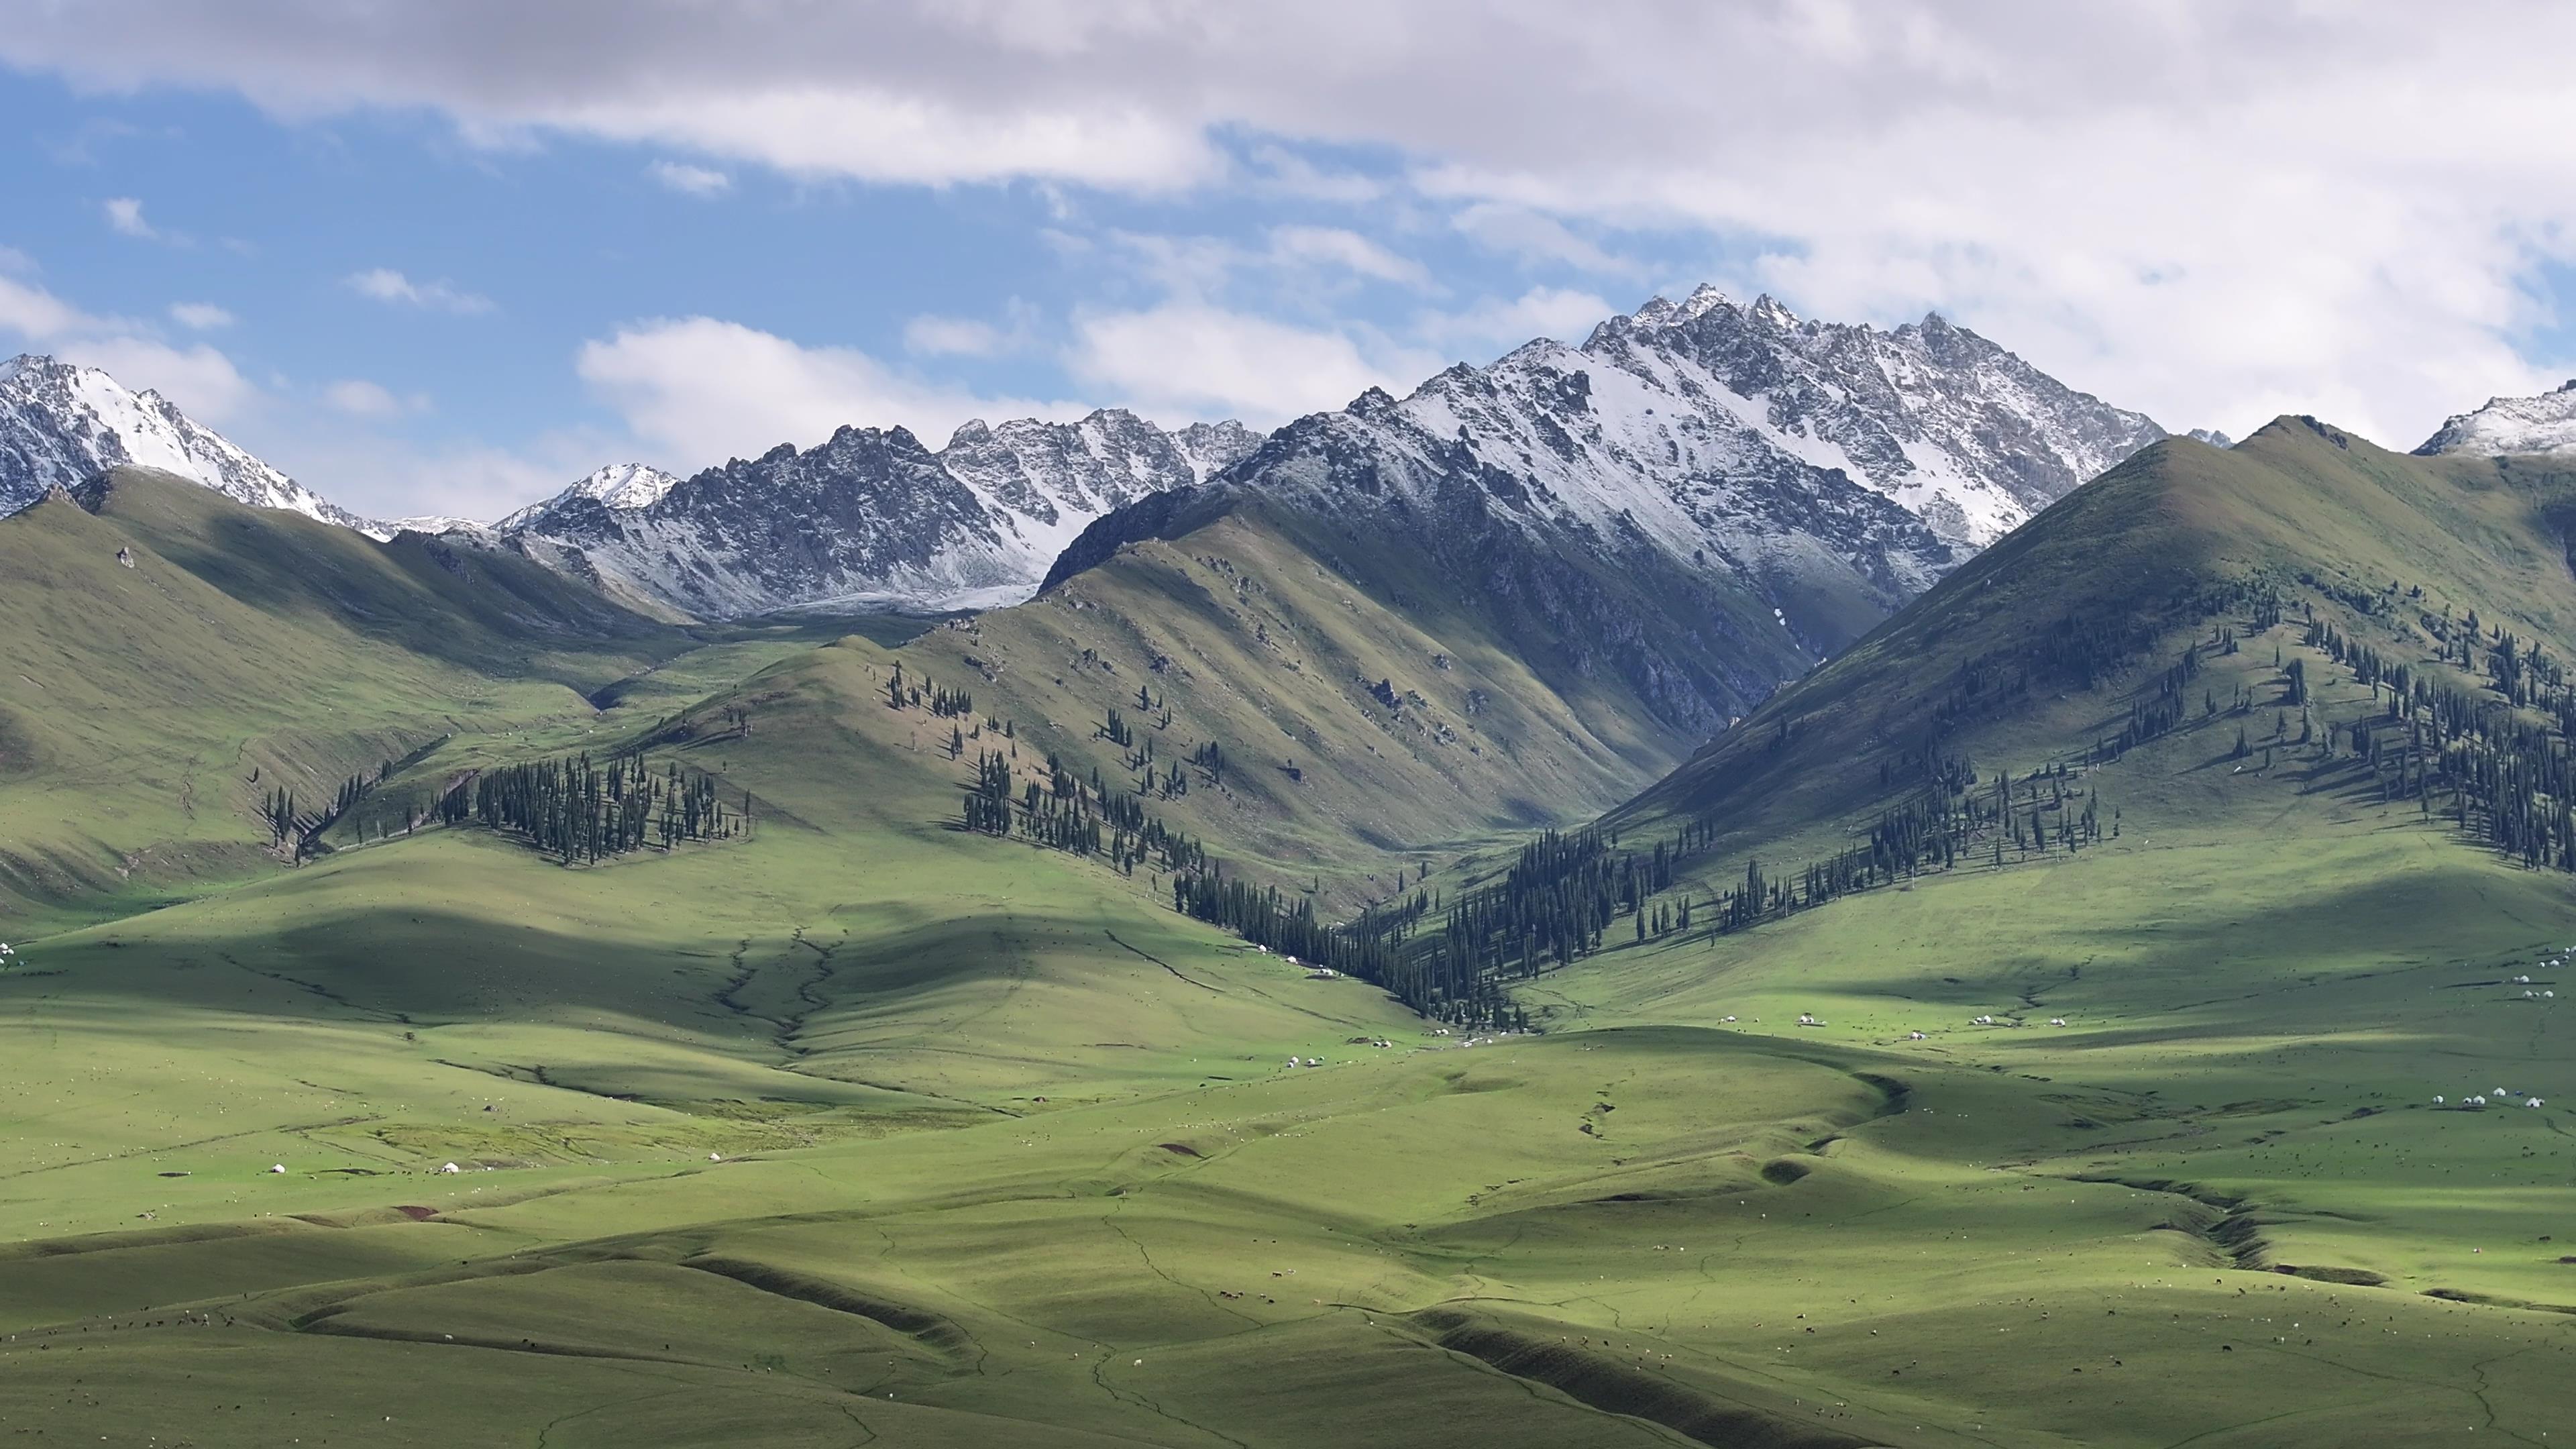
[(628, 485), (869, 517), (62, 424), (619, 485), (2506, 425), (1958, 431)]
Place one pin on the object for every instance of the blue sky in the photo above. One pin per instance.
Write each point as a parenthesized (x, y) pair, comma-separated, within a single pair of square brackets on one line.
[(447, 258)]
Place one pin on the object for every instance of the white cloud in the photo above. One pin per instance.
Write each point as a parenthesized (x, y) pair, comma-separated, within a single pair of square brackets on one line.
[(1190, 360), (705, 390), (387, 285), (202, 381), (125, 215), (360, 398), (690, 180), (1499, 323), (1534, 237), (200, 316), (39, 316), (953, 337), (1339, 247), (358, 467), (2201, 207)]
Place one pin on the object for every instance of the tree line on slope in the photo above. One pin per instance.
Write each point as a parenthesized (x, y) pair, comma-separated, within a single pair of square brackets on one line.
[(579, 810)]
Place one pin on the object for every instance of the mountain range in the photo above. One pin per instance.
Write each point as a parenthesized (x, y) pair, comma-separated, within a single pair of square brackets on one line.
[(1814, 460)]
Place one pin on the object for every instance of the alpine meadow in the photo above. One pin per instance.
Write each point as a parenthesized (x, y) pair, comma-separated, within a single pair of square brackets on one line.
[(1719, 878)]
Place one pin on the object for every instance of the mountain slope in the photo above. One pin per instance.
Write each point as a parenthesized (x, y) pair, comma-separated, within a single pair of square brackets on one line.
[(178, 656), (2037, 649), (62, 425), (867, 518)]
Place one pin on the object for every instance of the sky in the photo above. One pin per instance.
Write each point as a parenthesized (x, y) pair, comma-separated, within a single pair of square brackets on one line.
[(445, 258)]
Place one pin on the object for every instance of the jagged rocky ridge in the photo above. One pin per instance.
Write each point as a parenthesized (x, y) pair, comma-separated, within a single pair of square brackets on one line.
[(869, 517), (2509, 425), (62, 425)]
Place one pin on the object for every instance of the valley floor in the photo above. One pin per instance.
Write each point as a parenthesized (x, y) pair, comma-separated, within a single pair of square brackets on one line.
[(949, 1141)]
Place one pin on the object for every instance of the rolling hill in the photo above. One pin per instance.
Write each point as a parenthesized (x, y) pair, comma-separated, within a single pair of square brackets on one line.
[(853, 1122), (177, 656)]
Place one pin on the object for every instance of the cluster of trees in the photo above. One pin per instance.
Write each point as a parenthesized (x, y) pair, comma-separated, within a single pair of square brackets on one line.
[(578, 809), (944, 703), (2501, 766), (1071, 815), (290, 825)]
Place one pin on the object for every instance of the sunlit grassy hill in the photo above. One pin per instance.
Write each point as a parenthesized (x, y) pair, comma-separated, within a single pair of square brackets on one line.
[(147, 705)]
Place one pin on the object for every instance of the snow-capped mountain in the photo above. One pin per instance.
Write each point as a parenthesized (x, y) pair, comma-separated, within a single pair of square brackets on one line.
[(61, 424), (1705, 497), (2543, 424), (868, 517), (617, 486), (1738, 433), (1961, 433)]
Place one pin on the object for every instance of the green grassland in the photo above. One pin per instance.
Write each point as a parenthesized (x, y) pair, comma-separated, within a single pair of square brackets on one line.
[(864, 1129), (145, 708)]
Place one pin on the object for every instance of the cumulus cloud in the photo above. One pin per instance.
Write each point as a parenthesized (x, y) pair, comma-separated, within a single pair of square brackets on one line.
[(1347, 250), (202, 381), (387, 285), (690, 180), (200, 316), (2202, 207), (1498, 323), (1188, 359), (705, 390), (360, 398), (125, 215)]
